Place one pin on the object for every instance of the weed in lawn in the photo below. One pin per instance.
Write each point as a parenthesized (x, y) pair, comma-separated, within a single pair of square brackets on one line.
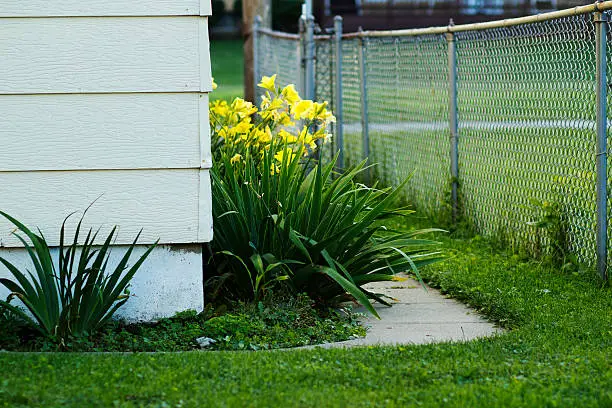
[(554, 225), (461, 226)]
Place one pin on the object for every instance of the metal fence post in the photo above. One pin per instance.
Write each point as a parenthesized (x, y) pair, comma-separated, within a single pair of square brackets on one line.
[(338, 94), (364, 99), (600, 20), (256, 78), (309, 84), (453, 123), (301, 85)]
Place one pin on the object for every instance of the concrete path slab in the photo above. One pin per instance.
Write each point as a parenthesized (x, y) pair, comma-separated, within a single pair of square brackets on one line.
[(418, 316)]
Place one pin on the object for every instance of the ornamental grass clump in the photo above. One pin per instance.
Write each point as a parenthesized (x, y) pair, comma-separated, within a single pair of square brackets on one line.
[(75, 296), (285, 222)]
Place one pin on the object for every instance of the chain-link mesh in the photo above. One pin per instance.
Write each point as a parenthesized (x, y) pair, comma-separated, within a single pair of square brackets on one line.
[(324, 85), (280, 56), (526, 100), (351, 102), (526, 123), (407, 95)]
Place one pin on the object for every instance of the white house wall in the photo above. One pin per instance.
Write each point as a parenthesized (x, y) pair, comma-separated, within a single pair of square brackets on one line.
[(107, 100), (106, 131), (72, 8), (163, 203), (87, 55), (169, 281)]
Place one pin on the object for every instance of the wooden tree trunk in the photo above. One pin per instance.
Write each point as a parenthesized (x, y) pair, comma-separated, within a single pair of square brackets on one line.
[(250, 9)]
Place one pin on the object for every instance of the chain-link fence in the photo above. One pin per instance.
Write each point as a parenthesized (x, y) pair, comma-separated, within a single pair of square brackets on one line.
[(521, 98), (277, 53)]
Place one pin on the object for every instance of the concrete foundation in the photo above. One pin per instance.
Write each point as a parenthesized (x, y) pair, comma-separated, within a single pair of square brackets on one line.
[(169, 281)]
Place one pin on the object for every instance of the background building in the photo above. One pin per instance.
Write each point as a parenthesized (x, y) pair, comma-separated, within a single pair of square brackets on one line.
[(393, 14)]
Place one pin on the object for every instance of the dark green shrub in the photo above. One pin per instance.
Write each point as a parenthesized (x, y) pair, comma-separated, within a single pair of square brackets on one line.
[(286, 14), (11, 327), (238, 8), (218, 11)]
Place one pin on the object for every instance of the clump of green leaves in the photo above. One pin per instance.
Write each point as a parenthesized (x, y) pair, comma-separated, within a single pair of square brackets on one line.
[(11, 327), (74, 296), (313, 231), (555, 228), (281, 323), (285, 223)]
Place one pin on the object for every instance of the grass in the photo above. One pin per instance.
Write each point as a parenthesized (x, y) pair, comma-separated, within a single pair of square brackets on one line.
[(558, 352), (227, 68)]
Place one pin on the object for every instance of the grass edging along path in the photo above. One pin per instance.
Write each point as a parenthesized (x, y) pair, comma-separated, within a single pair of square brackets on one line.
[(558, 353)]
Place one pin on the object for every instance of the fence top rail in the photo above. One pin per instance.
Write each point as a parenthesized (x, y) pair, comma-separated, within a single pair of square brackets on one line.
[(280, 34), (289, 36), (589, 8)]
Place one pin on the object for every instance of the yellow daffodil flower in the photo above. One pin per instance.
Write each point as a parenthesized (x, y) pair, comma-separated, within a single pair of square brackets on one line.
[(236, 158), (276, 104), (302, 109), (290, 94), (285, 120), (287, 137), (262, 136), (243, 127), (219, 108), (271, 109), (265, 102), (268, 83), (243, 108), (307, 139), (320, 112), (223, 132)]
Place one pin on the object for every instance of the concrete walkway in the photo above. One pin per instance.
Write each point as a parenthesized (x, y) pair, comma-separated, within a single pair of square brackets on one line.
[(418, 317)]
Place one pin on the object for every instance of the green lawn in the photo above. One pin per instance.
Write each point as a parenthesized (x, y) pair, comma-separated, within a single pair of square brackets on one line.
[(557, 353), (227, 69)]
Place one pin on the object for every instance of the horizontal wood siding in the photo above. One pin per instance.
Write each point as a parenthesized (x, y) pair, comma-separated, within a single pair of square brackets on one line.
[(166, 203), (100, 131), (101, 55), (73, 8), (106, 100)]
